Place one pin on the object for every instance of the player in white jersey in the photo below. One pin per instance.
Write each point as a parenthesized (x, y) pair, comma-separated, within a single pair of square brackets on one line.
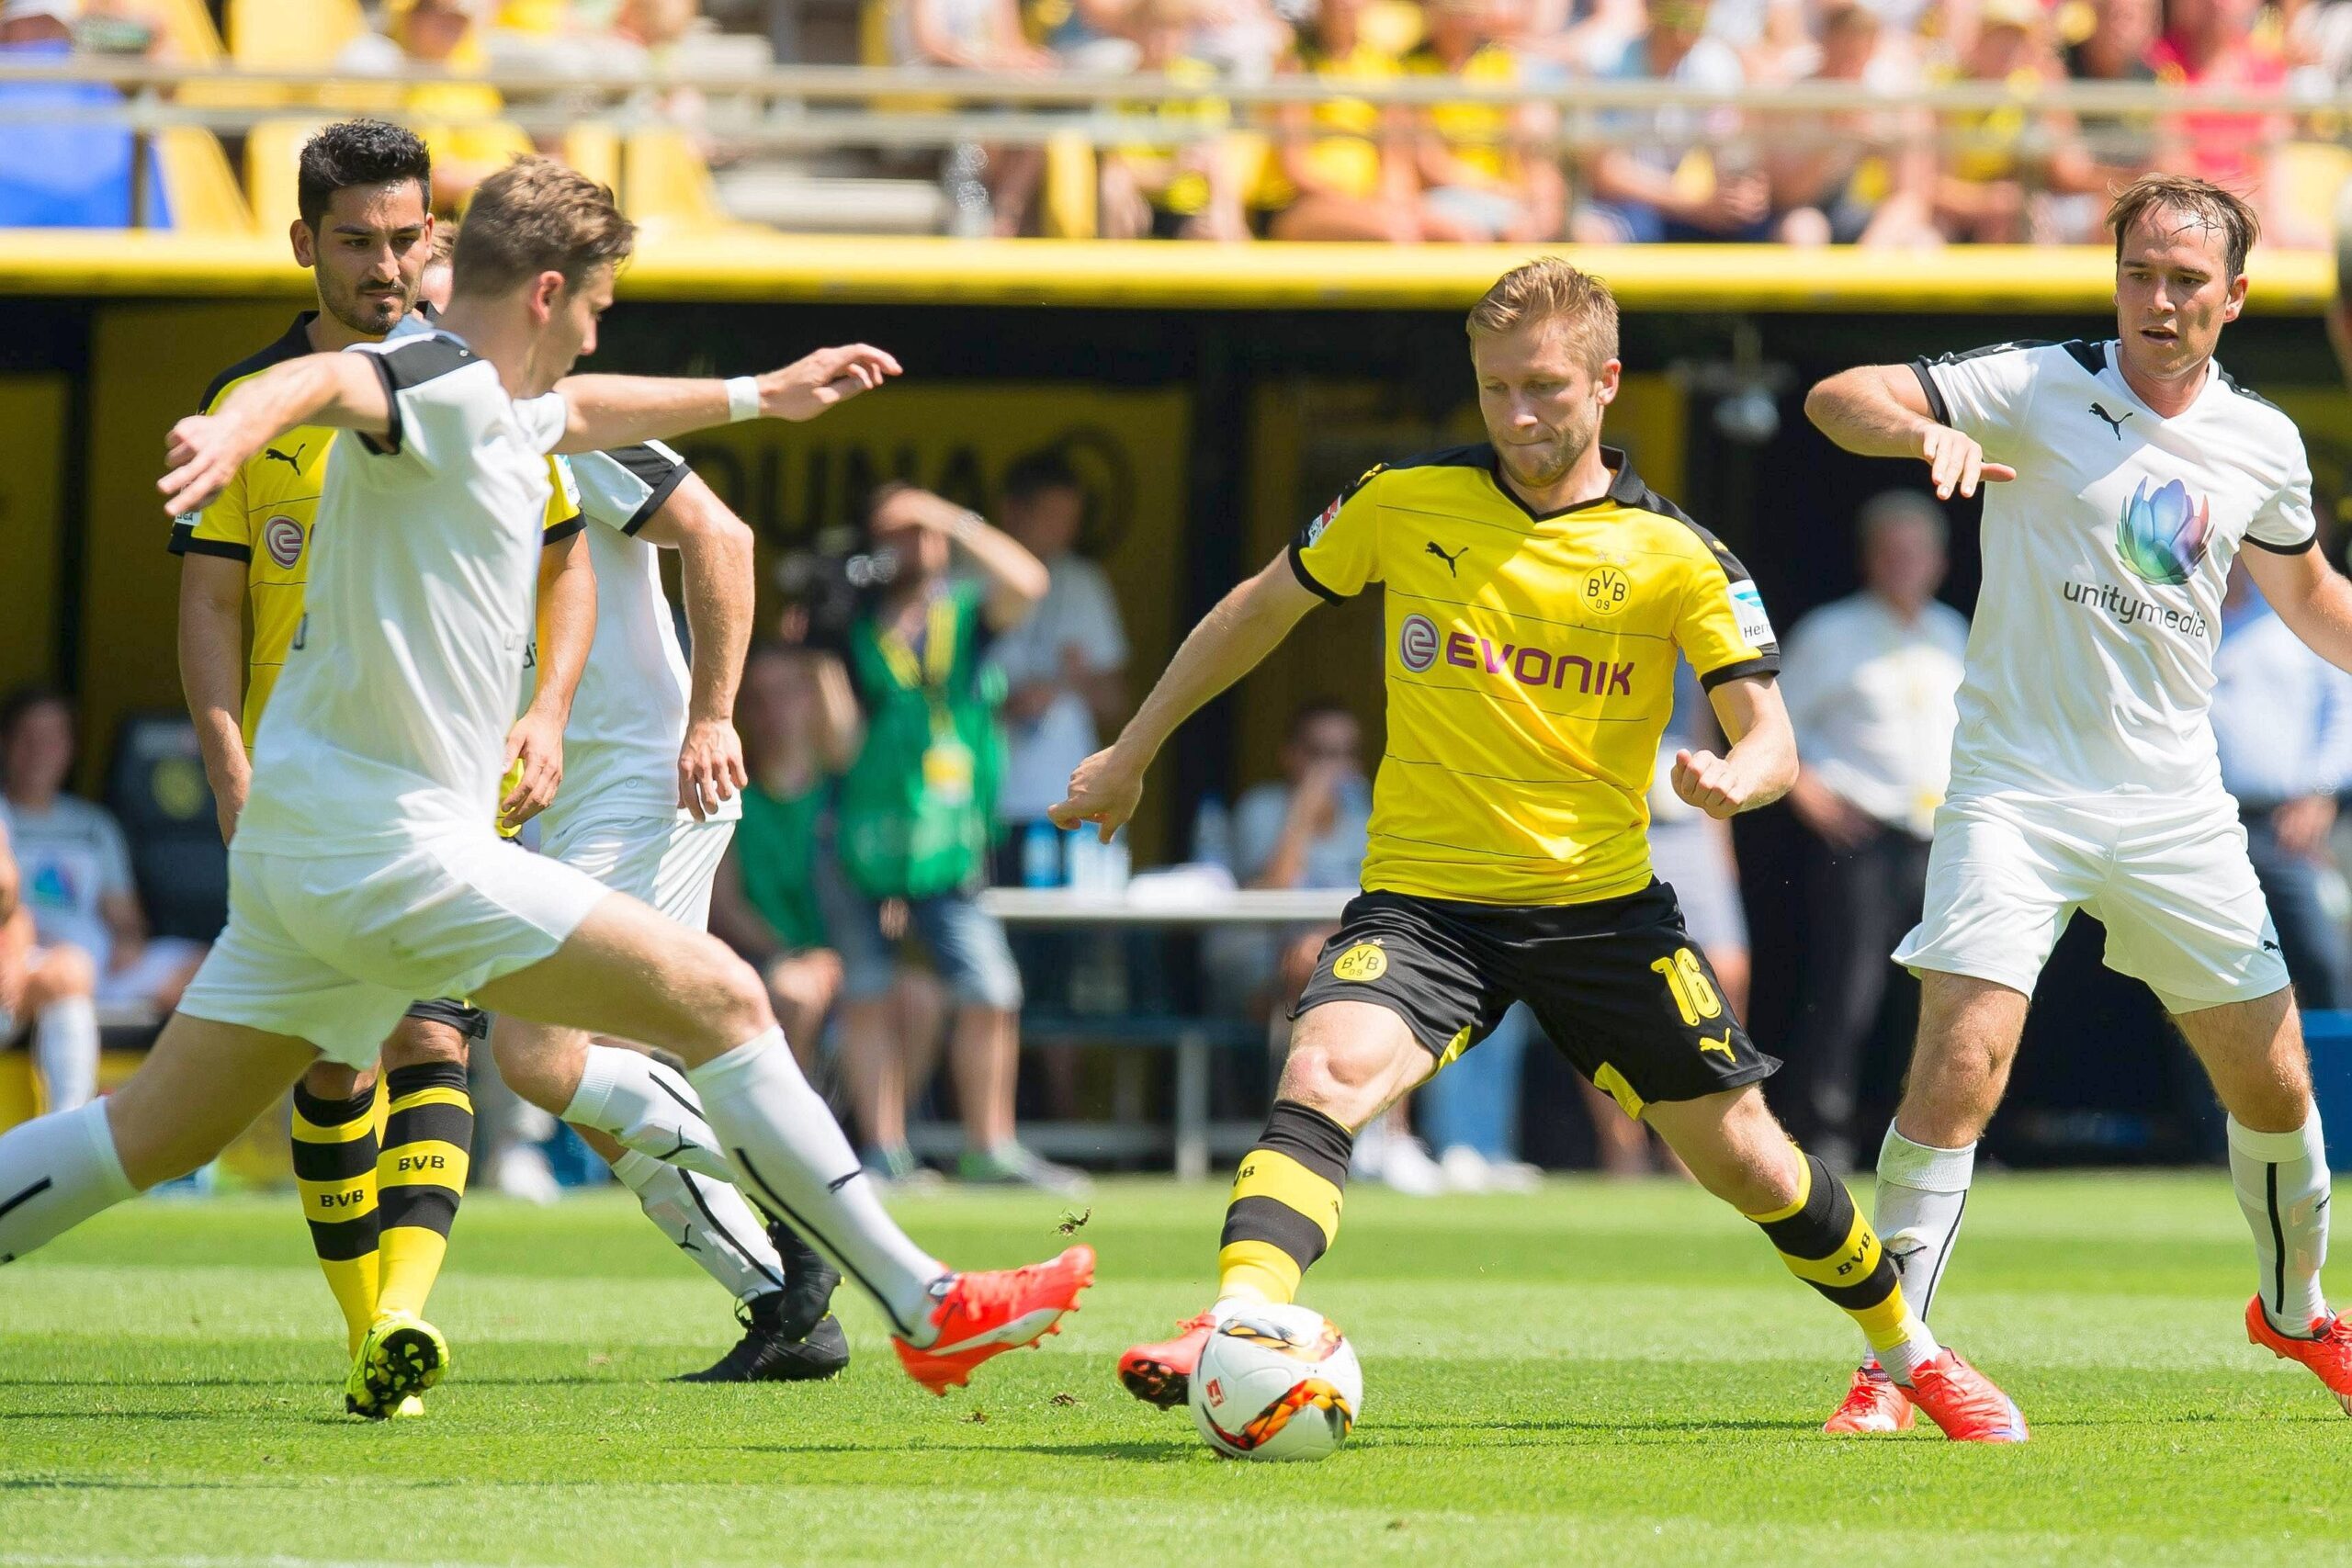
[(648, 807), (366, 871), (2130, 475)]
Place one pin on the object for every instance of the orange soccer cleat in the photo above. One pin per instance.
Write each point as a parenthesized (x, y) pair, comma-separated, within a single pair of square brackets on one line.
[(2328, 1351), (1964, 1402), (987, 1313), (1875, 1404), (1162, 1374)]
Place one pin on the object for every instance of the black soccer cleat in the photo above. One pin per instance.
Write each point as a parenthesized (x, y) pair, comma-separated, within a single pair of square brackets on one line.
[(765, 1354), (809, 1283)]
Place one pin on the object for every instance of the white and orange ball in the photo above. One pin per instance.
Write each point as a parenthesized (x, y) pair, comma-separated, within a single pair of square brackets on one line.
[(1276, 1382)]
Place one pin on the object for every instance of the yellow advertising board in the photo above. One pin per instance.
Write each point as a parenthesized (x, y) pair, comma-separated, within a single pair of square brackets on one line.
[(33, 518)]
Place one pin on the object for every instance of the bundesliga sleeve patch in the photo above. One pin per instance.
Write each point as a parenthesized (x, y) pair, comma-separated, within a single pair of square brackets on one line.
[(1747, 611)]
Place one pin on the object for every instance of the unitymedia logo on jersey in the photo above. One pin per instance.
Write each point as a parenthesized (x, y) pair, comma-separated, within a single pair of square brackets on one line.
[(2161, 538)]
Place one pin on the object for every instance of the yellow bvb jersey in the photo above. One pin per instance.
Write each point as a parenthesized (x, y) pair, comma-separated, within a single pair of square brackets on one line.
[(1530, 665), (265, 514)]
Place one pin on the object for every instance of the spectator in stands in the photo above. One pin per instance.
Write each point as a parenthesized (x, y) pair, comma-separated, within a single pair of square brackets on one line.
[(48, 990), (1306, 830), (74, 866), (459, 119), (1858, 176), (1063, 667), (1199, 190), (1477, 164), (58, 171), (2116, 49), (1672, 174), (915, 812), (1342, 167), (798, 721), (2215, 44), (979, 35), (1987, 191), (1870, 681), (2282, 718)]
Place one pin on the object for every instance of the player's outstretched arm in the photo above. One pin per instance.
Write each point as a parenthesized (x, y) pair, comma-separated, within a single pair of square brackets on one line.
[(714, 549), (567, 625), (1761, 764), (1246, 624), (204, 452), (212, 676), (2311, 596), (1879, 410), (620, 411)]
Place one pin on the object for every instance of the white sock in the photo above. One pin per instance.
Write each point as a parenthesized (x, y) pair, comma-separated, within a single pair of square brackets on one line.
[(1922, 1191), (65, 1049), (708, 1220), (642, 1105), (790, 1151), (55, 1172), (2282, 1183)]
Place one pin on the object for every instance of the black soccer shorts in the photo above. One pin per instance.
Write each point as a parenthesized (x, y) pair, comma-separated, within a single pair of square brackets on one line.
[(467, 1021), (1617, 984)]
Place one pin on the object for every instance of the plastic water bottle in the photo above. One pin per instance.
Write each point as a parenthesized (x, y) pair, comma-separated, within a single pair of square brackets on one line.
[(1115, 864), (1041, 855), (1085, 860), (1213, 833)]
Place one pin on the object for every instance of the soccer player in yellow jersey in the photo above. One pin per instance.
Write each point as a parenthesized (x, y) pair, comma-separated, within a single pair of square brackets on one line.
[(1538, 593), (380, 1188)]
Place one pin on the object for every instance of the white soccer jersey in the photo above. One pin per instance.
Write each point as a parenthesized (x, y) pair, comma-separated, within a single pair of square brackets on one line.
[(391, 719), (628, 718), (2090, 661)]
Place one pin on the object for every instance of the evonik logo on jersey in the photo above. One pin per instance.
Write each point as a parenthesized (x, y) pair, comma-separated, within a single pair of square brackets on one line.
[(1420, 645)]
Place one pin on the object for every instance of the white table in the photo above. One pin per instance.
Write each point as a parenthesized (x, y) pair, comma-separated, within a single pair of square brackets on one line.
[(1169, 908)]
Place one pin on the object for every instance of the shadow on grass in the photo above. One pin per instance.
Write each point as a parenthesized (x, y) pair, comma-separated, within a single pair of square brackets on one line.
[(1128, 1452)]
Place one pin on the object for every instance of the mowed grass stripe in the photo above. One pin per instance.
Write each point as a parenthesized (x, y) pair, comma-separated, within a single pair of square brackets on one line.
[(167, 1395)]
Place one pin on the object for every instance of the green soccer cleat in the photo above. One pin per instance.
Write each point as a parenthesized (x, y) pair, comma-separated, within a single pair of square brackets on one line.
[(402, 1357)]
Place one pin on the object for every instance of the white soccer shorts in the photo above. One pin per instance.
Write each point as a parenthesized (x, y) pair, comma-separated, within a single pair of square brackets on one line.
[(2183, 911), (334, 950), (662, 860)]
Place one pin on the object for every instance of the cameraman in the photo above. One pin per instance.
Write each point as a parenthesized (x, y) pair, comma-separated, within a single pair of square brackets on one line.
[(913, 822)]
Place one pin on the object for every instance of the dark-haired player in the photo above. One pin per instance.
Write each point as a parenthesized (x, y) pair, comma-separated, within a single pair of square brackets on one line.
[(366, 235), (1537, 593), (379, 1199), (2085, 775), (366, 870)]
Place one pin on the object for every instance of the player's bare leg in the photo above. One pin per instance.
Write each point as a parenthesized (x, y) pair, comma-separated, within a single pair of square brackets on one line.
[(1349, 1062), (202, 1084), (2254, 1053), (645, 1121), (627, 970), (1961, 1057)]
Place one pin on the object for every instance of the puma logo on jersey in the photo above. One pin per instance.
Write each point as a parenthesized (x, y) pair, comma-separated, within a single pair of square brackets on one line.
[(2114, 421), (1450, 560), (295, 462), (1724, 1045)]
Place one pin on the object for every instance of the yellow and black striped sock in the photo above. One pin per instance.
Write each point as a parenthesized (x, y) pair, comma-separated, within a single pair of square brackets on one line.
[(334, 1172), (1826, 1242), (421, 1178), (1285, 1206)]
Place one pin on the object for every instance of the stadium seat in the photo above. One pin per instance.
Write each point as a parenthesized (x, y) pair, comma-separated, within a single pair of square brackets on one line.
[(596, 151), (187, 30), (200, 184), (156, 788), (665, 183), (1066, 208), (292, 35), (2311, 173), (272, 150)]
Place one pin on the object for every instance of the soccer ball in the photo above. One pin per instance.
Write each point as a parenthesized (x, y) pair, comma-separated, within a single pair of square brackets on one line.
[(1276, 1382)]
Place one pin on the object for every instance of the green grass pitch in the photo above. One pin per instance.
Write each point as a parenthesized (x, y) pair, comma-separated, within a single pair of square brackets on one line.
[(1603, 1373)]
